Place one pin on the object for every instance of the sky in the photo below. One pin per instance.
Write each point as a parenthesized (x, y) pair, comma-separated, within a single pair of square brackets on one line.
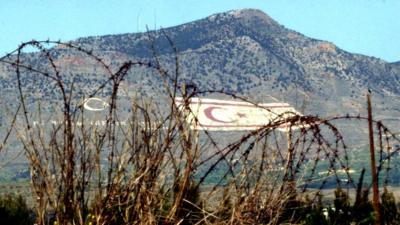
[(369, 27)]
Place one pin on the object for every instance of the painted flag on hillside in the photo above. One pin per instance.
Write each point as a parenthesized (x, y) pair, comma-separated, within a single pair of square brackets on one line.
[(213, 114)]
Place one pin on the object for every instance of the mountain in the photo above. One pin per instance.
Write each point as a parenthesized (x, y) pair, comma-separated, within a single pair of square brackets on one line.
[(242, 51)]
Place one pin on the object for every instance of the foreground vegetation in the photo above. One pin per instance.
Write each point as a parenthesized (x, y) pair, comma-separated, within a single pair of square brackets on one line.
[(156, 169), (298, 210)]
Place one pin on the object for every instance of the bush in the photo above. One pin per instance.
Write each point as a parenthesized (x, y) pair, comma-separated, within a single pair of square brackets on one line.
[(390, 213), (14, 210)]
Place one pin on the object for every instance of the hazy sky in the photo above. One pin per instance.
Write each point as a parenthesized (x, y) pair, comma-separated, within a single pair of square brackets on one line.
[(370, 27)]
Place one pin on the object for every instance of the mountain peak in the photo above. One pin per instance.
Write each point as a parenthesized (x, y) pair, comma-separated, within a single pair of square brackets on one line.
[(246, 14)]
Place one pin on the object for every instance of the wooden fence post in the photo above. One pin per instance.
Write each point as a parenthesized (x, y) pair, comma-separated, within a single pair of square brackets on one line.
[(375, 185)]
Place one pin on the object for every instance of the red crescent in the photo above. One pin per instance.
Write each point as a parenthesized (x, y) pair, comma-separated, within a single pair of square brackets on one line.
[(208, 112)]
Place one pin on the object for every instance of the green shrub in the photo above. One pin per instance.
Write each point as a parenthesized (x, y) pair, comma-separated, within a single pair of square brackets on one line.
[(390, 213), (14, 210)]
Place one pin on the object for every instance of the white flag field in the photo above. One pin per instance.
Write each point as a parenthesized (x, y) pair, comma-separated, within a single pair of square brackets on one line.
[(226, 115)]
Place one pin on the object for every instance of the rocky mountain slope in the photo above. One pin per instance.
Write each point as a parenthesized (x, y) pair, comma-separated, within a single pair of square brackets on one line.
[(245, 52)]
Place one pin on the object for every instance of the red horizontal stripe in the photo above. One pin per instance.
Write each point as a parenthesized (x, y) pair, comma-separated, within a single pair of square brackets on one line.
[(225, 125), (238, 104)]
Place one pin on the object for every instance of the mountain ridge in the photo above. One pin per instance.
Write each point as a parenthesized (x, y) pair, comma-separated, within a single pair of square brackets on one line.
[(238, 14)]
